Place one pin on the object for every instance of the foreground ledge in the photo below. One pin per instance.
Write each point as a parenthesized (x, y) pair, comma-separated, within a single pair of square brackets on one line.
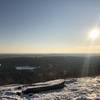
[(45, 86)]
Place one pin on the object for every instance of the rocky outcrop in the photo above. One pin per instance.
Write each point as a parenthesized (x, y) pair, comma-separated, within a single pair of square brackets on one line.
[(40, 87)]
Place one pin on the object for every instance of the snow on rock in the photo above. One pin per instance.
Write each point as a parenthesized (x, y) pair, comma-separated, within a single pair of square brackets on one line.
[(87, 88)]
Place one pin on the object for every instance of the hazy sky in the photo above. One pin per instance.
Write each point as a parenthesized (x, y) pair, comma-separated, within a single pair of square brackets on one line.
[(48, 26)]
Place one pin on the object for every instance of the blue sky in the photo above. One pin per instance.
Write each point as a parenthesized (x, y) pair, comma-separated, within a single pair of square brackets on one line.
[(47, 26)]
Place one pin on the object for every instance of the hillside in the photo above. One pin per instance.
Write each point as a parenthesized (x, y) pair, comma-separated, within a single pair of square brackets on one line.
[(24, 70)]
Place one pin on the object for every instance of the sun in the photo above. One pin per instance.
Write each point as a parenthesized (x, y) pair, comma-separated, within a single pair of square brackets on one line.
[(94, 34)]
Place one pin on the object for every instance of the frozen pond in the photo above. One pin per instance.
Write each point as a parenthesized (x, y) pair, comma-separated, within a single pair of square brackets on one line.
[(26, 67)]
